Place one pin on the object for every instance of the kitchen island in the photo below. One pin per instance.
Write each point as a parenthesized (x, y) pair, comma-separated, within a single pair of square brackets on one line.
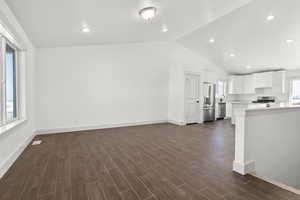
[(237, 105), (267, 144)]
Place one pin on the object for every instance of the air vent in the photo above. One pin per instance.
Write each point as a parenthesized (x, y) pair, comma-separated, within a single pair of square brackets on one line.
[(36, 142)]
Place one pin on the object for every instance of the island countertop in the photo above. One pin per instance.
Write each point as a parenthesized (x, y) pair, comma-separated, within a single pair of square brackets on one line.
[(280, 106)]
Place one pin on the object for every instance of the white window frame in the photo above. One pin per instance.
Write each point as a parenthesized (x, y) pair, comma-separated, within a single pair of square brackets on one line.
[(3, 115), (224, 89), (20, 79), (1, 81), (291, 90)]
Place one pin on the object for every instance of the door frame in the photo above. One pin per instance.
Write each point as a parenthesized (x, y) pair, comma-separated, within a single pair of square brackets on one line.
[(187, 73)]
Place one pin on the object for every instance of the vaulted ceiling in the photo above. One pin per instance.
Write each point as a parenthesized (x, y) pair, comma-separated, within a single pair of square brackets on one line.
[(244, 40), (256, 43), (53, 23)]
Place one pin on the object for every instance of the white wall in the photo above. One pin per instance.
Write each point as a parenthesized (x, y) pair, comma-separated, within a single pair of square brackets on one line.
[(111, 85), (100, 86), (13, 141)]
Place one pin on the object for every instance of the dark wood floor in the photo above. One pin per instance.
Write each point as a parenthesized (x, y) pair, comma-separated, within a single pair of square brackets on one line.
[(155, 162)]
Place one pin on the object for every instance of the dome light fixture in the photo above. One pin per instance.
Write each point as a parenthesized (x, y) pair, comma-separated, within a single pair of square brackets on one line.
[(148, 13), (270, 17), (85, 29), (165, 29)]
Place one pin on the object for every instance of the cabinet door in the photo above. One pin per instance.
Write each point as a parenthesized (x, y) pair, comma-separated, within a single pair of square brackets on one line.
[(228, 110), (239, 85), (263, 80), (230, 85), (235, 85), (279, 82), (249, 87)]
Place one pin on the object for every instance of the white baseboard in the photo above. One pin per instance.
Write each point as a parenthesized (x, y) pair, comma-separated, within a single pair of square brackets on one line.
[(243, 168), (177, 123), (6, 164), (283, 186), (85, 128)]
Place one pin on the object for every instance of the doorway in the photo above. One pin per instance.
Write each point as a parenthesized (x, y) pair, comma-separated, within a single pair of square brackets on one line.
[(192, 98)]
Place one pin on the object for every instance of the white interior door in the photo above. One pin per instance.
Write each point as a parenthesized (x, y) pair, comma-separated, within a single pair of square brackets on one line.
[(192, 98)]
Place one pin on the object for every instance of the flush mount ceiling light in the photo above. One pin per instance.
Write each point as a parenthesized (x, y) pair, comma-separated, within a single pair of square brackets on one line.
[(85, 29), (148, 13), (289, 41), (270, 17), (212, 40), (232, 55), (248, 67), (165, 29)]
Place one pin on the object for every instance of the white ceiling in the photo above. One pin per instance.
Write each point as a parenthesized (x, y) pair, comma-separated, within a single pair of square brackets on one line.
[(255, 41), (238, 26), (54, 23)]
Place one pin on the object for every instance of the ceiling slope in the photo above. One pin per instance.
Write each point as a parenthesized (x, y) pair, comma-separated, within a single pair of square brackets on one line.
[(258, 44), (55, 23)]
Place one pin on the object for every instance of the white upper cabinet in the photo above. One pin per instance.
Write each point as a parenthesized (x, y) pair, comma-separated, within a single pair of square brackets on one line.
[(279, 82), (230, 85), (249, 84), (235, 85), (241, 84), (263, 80), (246, 84)]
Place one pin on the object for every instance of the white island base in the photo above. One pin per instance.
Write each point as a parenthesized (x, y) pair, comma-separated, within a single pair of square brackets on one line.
[(267, 144)]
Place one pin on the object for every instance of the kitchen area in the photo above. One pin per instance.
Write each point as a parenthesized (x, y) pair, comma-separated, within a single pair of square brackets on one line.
[(265, 109), (257, 90), (220, 98)]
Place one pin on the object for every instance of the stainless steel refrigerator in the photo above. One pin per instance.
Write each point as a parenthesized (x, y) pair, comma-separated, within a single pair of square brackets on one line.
[(209, 93)]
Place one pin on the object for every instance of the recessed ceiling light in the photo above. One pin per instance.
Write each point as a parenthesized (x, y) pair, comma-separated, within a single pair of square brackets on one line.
[(212, 40), (289, 41), (85, 30), (165, 29), (270, 17), (148, 13), (248, 67), (232, 55)]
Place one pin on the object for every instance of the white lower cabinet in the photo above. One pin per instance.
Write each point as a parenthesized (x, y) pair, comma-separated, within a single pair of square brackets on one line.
[(228, 110)]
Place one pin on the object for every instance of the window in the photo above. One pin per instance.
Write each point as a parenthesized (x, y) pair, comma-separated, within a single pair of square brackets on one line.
[(221, 89), (295, 91), (9, 89)]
